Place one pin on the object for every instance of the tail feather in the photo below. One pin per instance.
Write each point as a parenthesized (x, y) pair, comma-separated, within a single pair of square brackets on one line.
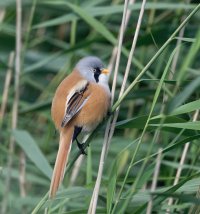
[(61, 159)]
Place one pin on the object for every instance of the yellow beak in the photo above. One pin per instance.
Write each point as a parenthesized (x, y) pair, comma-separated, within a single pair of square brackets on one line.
[(105, 71)]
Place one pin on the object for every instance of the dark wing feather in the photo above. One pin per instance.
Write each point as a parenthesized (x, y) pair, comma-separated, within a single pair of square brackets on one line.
[(74, 104)]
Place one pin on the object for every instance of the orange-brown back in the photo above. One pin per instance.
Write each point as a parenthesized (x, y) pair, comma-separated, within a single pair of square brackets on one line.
[(60, 97)]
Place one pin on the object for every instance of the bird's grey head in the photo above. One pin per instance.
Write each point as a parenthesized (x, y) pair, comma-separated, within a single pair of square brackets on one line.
[(92, 69)]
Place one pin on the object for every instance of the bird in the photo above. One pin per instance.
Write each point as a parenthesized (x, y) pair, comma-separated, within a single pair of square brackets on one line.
[(80, 103)]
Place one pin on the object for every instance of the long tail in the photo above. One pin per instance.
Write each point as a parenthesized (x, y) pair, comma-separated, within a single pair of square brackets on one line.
[(61, 160)]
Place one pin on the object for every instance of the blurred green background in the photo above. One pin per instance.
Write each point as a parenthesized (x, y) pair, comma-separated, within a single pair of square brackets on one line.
[(55, 35)]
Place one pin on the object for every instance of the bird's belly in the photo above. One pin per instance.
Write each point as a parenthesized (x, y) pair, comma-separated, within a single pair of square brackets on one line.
[(89, 117), (94, 110)]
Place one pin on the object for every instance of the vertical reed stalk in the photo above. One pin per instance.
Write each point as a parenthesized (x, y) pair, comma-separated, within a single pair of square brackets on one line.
[(182, 160), (111, 127), (6, 87), (15, 102)]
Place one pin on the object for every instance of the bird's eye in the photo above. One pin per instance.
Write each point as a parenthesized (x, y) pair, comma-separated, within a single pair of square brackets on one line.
[(94, 70)]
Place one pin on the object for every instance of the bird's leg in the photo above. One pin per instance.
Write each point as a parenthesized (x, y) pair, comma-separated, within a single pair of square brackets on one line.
[(77, 131), (109, 113), (81, 147)]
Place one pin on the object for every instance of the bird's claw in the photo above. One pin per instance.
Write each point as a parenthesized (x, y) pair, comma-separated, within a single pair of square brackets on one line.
[(81, 148)]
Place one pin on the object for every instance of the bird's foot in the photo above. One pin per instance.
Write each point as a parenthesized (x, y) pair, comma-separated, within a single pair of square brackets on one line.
[(109, 113), (81, 147)]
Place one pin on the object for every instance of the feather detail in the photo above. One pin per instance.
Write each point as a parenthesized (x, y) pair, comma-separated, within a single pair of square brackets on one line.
[(61, 160), (75, 101)]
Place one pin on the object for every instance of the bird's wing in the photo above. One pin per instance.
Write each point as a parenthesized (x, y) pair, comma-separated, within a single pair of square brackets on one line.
[(75, 101)]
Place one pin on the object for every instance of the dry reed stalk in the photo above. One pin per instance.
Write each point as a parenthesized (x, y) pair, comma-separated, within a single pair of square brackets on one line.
[(182, 161), (22, 169), (11, 148), (165, 99), (110, 127), (116, 54), (173, 69), (17, 91), (6, 86), (178, 45), (77, 165), (93, 202), (76, 170), (2, 14), (15, 105), (155, 180)]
